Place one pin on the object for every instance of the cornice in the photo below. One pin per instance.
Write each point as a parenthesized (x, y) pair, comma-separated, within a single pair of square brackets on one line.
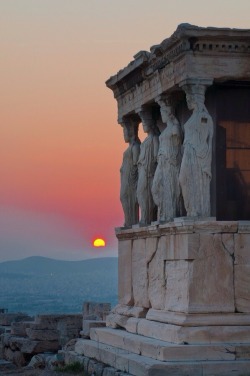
[(198, 41), (183, 226)]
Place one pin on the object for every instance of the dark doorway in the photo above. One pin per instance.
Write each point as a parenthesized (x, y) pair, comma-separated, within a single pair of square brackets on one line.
[(233, 170)]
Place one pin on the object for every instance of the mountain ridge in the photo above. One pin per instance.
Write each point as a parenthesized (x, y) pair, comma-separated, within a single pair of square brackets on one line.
[(41, 264)]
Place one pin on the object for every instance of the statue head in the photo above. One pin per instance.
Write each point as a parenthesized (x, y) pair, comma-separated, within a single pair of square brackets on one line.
[(166, 107), (147, 120), (130, 130), (195, 96)]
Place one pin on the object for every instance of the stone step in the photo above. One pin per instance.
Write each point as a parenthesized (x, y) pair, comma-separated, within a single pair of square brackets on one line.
[(195, 335), (120, 359), (139, 365), (165, 351), (91, 366), (190, 334), (87, 325)]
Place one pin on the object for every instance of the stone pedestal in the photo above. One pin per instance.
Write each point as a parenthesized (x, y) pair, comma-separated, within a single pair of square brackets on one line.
[(183, 301), (185, 281)]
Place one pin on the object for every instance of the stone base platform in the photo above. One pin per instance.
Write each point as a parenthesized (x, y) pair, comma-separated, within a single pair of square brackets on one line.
[(144, 356), (166, 351), (181, 328), (184, 302)]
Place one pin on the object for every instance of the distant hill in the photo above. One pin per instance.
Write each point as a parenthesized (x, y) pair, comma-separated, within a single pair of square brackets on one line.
[(39, 284), (44, 265)]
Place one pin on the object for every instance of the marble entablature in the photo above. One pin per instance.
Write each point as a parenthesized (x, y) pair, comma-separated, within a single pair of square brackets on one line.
[(213, 54)]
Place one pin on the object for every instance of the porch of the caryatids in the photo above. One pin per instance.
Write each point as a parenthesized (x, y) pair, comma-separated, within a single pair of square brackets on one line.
[(195, 172)]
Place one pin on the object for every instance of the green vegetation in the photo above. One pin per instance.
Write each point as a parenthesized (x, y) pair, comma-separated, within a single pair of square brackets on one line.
[(74, 368)]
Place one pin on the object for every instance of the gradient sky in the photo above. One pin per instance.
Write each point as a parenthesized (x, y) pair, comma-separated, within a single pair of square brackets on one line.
[(60, 144)]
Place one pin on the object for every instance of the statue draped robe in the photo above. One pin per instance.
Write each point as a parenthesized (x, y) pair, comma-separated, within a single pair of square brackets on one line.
[(166, 188), (195, 172), (129, 177), (146, 168)]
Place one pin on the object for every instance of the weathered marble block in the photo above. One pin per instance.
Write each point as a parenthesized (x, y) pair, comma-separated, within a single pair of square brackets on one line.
[(125, 272), (7, 318), (242, 272), (242, 288), (95, 311), (203, 282), (19, 328), (178, 271), (87, 325), (42, 334), (139, 273), (156, 277), (53, 319)]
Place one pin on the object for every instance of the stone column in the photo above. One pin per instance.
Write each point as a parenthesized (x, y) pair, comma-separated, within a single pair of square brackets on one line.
[(195, 172), (129, 172), (166, 188), (147, 163)]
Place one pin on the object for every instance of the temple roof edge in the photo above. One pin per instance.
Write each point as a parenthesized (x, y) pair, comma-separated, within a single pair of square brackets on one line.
[(180, 41)]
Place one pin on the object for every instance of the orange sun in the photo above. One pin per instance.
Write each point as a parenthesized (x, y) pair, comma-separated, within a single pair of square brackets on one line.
[(99, 243)]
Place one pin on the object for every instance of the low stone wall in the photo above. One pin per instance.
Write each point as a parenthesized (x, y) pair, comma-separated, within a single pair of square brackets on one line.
[(95, 311), (47, 333), (8, 318)]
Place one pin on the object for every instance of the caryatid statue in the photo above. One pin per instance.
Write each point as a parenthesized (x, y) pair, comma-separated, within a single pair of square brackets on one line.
[(146, 168), (166, 188), (195, 172), (129, 173)]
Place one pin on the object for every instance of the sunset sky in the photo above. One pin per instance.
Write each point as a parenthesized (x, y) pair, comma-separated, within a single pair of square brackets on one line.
[(60, 144)]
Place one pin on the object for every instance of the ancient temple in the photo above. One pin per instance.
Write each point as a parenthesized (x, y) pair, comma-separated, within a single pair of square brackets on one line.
[(184, 248)]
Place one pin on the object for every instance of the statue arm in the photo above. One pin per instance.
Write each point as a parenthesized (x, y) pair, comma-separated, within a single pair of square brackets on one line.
[(205, 151), (177, 133), (135, 153), (156, 147), (176, 129), (205, 139)]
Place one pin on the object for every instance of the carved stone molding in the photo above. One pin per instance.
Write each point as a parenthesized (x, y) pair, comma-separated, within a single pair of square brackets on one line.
[(221, 54)]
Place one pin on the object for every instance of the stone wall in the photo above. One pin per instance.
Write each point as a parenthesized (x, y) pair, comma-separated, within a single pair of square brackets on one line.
[(47, 333)]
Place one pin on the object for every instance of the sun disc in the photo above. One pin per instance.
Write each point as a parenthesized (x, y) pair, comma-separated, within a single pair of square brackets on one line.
[(99, 243)]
